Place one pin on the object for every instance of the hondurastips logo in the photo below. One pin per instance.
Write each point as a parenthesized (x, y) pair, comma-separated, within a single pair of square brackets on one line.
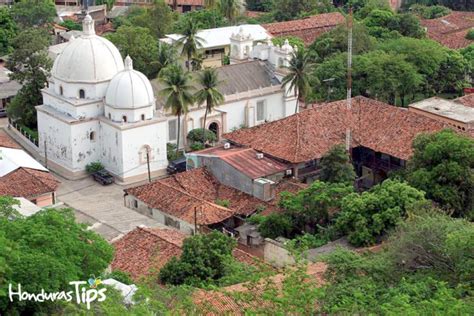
[(81, 294)]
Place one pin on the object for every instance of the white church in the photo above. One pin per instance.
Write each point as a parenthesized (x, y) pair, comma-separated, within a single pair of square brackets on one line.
[(98, 108)]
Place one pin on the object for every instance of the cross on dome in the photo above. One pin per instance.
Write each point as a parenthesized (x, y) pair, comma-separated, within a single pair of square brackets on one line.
[(128, 63), (88, 25)]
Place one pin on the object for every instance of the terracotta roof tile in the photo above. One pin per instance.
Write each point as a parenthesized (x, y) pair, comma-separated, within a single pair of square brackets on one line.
[(308, 29), (450, 30), (28, 183), (224, 302), (7, 141), (179, 194), (144, 251), (467, 100), (308, 135)]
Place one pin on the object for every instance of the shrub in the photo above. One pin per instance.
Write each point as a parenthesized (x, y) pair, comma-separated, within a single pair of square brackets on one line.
[(94, 167), (197, 135), (224, 202), (120, 276), (430, 12), (470, 34), (276, 225)]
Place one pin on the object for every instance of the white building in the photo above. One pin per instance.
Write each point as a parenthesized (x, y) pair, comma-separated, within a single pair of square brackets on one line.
[(251, 86), (97, 109)]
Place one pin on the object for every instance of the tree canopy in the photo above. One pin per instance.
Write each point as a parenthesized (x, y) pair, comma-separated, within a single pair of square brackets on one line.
[(336, 166), (33, 13)]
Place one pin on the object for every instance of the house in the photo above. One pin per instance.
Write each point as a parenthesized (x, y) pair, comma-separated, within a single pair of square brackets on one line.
[(8, 89), (253, 94), (144, 251), (194, 200), (241, 168), (22, 176), (381, 137), (308, 28), (216, 42), (450, 30), (226, 301), (452, 112)]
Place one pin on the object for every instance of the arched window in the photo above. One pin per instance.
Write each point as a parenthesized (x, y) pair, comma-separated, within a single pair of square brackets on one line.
[(143, 117), (124, 119), (92, 136), (82, 94), (61, 90)]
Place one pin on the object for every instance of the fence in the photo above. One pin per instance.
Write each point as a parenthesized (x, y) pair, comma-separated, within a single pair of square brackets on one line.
[(23, 131)]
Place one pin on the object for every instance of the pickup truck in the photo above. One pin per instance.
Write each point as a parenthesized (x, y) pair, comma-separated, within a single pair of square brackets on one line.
[(103, 177)]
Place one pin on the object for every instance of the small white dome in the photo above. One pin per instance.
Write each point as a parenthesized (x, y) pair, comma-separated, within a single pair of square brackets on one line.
[(89, 58), (129, 89)]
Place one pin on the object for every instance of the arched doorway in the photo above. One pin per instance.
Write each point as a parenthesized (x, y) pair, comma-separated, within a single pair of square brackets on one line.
[(214, 127)]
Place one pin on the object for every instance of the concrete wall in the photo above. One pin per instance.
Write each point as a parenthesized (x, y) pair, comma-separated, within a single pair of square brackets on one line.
[(275, 253)]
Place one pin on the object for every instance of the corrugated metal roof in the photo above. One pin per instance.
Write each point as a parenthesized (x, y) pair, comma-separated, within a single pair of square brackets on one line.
[(245, 160)]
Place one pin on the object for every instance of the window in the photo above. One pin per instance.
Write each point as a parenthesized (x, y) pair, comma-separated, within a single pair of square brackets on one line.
[(171, 222), (124, 119), (92, 136), (261, 110), (135, 203), (82, 94), (110, 116), (172, 129), (143, 117), (61, 90)]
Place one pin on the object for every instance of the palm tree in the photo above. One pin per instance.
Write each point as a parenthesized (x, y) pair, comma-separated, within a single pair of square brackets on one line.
[(209, 93), (297, 77), (191, 41), (210, 4), (177, 93), (166, 55), (230, 9)]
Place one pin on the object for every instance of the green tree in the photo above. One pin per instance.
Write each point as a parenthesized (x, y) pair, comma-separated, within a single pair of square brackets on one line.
[(294, 41), (366, 217), (30, 65), (204, 258), (190, 41), (230, 9), (33, 13), (49, 249), (8, 31), (431, 12), (158, 18), (442, 166), (177, 93), (140, 45), (285, 10), (297, 78), (71, 25), (468, 54), (208, 92), (166, 55), (205, 19), (7, 209), (336, 166), (276, 225)]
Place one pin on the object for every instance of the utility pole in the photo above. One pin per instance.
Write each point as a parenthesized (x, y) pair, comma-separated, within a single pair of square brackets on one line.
[(148, 163), (349, 77), (45, 154), (195, 220)]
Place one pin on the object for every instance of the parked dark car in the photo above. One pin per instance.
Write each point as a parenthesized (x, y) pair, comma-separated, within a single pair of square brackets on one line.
[(103, 177), (177, 165), (3, 112)]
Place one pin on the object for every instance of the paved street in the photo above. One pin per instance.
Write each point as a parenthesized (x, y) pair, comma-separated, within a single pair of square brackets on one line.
[(101, 206)]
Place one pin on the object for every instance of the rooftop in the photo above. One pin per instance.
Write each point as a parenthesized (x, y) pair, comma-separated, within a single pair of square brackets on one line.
[(308, 29), (467, 100), (179, 194), (450, 30), (245, 160), (226, 302), (219, 37), (146, 250), (26, 182), (447, 108), (308, 135), (234, 79)]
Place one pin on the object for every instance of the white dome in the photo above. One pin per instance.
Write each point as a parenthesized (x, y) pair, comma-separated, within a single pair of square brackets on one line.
[(129, 89), (89, 58)]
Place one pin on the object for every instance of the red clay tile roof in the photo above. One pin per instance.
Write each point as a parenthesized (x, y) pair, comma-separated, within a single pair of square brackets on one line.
[(245, 160), (225, 301), (253, 14), (308, 135), (308, 29), (187, 2), (27, 183), (467, 100), (179, 194), (7, 141), (144, 251), (450, 30)]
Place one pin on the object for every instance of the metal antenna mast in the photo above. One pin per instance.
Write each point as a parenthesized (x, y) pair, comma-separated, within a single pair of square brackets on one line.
[(349, 76)]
